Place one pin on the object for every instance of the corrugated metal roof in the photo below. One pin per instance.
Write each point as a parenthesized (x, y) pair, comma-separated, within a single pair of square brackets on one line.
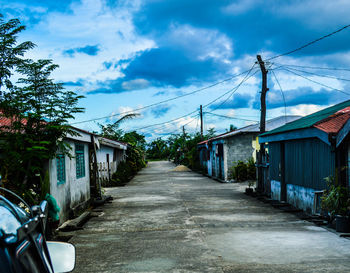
[(310, 120), (334, 123), (255, 128)]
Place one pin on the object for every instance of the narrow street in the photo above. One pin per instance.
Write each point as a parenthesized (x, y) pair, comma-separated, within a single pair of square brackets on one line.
[(166, 221)]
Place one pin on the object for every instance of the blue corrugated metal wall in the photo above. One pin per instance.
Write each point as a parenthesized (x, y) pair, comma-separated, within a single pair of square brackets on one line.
[(275, 160), (307, 162)]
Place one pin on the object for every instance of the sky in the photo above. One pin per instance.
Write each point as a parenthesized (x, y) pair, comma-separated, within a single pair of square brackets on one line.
[(163, 59)]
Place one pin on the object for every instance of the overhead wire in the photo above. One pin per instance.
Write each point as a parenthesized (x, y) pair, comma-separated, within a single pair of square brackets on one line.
[(228, 117), (319, 75), (284, 99), (164, 101), (309, 43), (316, 67), (321, 84), (234, 89)]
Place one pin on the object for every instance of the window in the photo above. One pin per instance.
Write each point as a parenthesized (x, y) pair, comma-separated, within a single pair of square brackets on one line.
[(61, 169), (80, 160)]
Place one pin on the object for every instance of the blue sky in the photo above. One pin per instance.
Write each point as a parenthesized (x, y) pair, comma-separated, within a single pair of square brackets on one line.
[(125, 55)]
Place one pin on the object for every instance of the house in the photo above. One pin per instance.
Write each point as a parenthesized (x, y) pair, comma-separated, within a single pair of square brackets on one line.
[(71, 180), (305, 152), (204, 156), (225, 150), (109, 153), (70, 176)]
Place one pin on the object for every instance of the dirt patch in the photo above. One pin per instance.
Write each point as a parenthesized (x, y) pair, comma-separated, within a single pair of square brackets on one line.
[(181, 168)]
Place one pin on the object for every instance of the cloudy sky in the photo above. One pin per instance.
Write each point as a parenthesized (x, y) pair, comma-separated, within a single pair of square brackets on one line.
[(127, 55)]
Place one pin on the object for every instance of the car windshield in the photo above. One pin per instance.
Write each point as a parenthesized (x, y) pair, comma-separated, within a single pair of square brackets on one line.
[(8, 220)]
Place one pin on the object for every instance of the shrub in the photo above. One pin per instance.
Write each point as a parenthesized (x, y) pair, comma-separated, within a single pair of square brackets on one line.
[(243, 171)]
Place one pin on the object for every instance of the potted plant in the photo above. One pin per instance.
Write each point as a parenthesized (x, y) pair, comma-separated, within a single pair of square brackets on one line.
[(250, 190), (336, 201)]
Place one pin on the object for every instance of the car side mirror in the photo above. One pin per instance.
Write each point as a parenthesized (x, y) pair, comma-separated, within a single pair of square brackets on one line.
[(62, 256)]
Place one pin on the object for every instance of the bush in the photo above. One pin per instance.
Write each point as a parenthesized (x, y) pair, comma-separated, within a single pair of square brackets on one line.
[(127, 169), (243, 171)]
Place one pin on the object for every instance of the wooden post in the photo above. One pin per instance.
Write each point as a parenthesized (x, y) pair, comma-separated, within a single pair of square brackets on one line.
[(264, 89), (201, 115), (96, 179)]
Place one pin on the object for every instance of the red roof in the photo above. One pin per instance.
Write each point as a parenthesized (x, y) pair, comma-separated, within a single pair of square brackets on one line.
[(334, 123), (4, 121)]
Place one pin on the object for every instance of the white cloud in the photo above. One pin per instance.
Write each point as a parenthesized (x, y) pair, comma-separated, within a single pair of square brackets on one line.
[(89, 22), (305, 109)]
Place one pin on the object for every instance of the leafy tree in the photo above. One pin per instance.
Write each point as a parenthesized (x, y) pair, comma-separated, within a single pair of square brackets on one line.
[(158, 149), (38, 109), (135, 152), (113, 131), (232, 128), (210, 133), (10, 52), (135, 139)]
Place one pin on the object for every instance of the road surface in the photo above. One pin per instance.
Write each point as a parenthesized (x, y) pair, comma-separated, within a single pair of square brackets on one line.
[(166, 221)]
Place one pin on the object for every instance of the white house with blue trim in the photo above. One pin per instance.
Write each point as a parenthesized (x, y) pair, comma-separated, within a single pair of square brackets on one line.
[(70, 177)]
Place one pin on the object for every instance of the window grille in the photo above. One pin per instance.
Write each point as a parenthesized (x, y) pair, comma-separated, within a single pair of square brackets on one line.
[(61, 169), (80, 160)]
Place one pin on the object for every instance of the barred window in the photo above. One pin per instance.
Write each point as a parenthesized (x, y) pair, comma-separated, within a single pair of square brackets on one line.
[(61, 169), (80, 160)]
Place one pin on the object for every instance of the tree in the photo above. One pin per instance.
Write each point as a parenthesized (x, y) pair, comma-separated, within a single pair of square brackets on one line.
[(158, 149), (38, 110), (10, 52), (113, 131), (232, 128), (210, 133)]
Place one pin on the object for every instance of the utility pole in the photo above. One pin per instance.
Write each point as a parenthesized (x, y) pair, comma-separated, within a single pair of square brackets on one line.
[(264, 89), (201, 115)]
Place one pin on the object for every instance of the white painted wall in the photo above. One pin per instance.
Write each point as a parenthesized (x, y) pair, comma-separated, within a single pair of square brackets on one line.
[(101, 155), (75, 190)]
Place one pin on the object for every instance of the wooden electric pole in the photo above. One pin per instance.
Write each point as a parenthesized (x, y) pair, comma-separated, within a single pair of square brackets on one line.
[(201, 115), (264, 89)]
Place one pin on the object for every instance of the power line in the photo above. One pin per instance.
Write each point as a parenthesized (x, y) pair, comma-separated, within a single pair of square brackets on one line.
[(173, 132), (234, 91), (319, 75), (193, 117), (308, 44), (223, 116), (324, 85), (234, 88), (164, 101), (316, 67), (284, 100)]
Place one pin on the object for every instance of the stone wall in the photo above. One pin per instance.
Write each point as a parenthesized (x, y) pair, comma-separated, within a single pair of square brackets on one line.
[(238, 147)]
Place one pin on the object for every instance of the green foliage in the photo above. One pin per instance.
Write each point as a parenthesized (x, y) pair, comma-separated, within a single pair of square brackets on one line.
[(127, 169), (336, 198), (44, 185), (135, 152), (113, 131), (183, 149), (10, 51), (158, 149), (243, 171), (38, 110)]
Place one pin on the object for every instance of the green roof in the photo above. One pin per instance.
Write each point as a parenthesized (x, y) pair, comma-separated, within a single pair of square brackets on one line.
[(308, 121)]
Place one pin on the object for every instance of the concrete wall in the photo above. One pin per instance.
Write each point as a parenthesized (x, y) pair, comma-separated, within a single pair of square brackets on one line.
[(238, 147), (298, 196), (275, 190), (102, 160), (75, 190), (301, 197)]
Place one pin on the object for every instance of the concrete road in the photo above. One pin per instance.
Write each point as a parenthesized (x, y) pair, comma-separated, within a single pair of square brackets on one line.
[(165, 221)]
